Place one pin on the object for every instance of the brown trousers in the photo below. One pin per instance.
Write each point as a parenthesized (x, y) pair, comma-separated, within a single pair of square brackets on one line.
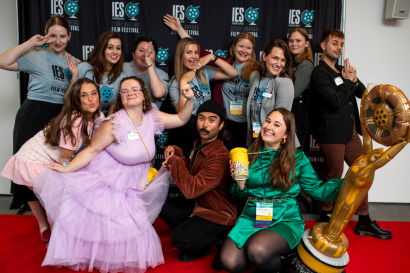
[(334, 155)]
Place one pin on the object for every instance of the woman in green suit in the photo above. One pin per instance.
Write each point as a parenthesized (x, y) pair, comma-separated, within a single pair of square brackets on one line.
[(271, 222)]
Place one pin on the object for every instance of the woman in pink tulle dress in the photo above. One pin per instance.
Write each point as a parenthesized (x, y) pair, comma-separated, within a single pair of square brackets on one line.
[(102, 216), (63, 136)]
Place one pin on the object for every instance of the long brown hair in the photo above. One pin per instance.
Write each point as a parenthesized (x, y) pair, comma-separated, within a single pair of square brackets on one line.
[(99, 62), (307, 53), (287, 71), (179, 65), (147, 100), (72, 110), (251, 64), (283, 164), (57, 20)]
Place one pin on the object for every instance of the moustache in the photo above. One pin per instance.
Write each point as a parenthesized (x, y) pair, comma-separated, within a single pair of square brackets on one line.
[(203, 130)]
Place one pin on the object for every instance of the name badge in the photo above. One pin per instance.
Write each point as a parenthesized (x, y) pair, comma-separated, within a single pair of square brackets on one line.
[(133, 135), (338, 81), (256, 129), (267, 95), (235, 107), (264, 214)]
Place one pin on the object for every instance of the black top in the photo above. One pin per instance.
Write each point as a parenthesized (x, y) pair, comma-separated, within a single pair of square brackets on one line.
[(197, 148), (334, 105)]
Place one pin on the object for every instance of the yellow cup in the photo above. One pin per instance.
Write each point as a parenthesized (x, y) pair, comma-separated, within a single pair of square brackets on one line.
[(239, 157)]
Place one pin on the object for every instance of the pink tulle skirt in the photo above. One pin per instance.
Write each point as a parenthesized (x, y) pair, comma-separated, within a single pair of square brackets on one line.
[(102, 217)]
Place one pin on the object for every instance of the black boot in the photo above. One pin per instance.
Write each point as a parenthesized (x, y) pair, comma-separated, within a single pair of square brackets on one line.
[(323, 217), (190, 256), (366, 227), (216, 262)]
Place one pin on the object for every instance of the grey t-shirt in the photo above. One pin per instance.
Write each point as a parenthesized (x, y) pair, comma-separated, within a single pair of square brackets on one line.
[(235, 89), (130, 71), (257, 98), (108, 92), (202, 93), (49, 74)]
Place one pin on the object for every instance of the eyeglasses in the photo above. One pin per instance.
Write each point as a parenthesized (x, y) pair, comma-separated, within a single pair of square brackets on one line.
[(135, 89)]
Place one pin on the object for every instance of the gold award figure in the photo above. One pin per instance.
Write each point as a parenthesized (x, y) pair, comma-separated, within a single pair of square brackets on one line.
[(385, 116)]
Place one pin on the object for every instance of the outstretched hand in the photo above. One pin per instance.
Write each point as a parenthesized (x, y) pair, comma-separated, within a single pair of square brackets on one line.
[(187, 77), (204, 61), (73, 68), (39, 40), (172, 22)]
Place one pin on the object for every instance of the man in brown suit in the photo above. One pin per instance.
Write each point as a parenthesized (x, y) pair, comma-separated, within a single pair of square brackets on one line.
[(203, 217)]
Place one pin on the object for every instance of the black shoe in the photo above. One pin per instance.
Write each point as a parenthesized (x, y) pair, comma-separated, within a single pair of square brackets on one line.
[(373, 230), (323, 217), (216, 263), (187, 257)]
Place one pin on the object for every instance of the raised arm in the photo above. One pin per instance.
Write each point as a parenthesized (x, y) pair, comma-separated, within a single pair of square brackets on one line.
[(8, 60), (157, 87), (173, 23), (101, 139), (225, 71), (74, 72), (184, 113)]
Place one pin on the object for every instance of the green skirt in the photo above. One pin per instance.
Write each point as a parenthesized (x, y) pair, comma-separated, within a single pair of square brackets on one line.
[(290, 226)]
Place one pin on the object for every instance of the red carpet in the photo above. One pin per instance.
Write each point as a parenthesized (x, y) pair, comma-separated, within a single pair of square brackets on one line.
[(22, 251)]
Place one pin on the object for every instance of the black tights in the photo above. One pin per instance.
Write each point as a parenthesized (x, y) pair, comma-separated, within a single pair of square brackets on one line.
[(262, 250)]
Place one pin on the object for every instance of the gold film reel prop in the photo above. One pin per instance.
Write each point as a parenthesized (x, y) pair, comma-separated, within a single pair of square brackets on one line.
[(384, 116)]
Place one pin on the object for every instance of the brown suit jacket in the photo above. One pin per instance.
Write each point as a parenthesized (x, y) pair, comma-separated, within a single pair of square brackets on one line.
[(207, 181)]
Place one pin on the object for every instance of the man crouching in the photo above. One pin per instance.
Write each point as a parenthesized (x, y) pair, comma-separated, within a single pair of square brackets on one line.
[(203, 217)]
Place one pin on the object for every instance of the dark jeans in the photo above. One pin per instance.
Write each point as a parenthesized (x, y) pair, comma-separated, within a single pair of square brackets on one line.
[(193, 234)]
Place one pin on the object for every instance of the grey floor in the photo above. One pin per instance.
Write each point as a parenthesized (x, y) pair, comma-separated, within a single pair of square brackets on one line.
[(378, 211)]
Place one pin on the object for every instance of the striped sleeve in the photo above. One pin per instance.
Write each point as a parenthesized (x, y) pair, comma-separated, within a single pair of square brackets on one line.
[(302, 74)]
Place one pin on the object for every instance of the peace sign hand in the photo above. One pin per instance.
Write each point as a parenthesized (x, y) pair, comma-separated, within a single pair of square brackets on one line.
[(38, 40), (73, 68), (148, 51)]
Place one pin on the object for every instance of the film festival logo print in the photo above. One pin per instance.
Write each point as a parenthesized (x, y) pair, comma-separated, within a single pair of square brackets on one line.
[(239, 15), (307, 17), (192, 13), (221, 53), (132, 10), (71, 7), (106, 94), (162, 55), (119, 13), (252, 15)]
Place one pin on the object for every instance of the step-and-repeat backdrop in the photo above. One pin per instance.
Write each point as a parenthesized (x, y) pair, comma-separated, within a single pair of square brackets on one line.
[(213, 23)]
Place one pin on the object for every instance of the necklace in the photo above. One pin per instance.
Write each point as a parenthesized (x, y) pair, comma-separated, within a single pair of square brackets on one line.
[(151, 169), (263, 152)]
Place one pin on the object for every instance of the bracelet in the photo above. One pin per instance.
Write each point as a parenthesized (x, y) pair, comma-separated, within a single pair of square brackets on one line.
[(150, 65), (216, 58)]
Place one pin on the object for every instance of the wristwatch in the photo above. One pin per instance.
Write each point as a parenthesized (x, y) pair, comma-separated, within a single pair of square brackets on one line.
[(216, 58)]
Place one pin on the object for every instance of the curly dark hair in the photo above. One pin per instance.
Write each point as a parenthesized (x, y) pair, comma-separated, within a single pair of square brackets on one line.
[(147, 99)]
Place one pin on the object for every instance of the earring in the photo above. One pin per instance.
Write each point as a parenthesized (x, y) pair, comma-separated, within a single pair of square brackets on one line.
[(145, 107), (283, 141)]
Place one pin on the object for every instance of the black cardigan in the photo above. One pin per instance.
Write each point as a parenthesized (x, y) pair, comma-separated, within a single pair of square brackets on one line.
[(332, 105)]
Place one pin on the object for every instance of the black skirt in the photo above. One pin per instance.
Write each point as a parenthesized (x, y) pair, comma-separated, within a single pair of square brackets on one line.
[(30, 119)]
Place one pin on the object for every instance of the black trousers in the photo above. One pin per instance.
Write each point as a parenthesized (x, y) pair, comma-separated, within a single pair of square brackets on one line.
[(301, 113), (193, 234), (30, 119)]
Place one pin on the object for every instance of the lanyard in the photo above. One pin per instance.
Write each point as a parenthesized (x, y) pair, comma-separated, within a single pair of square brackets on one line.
[(258, 93), (85, 144), (237, 90), (263, 178)]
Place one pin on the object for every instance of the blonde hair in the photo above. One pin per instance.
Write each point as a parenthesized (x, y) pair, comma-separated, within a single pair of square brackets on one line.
[(251, 64), (179, 65)]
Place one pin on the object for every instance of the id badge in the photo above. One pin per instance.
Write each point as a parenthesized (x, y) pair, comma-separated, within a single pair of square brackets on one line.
[(133, 135), (267, 95), (235, 107), (264, 214), (338, 81), (256, 129)]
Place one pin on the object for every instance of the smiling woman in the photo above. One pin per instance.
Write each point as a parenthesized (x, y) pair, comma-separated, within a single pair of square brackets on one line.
[(105, 67), (48, 82), (109, 176)]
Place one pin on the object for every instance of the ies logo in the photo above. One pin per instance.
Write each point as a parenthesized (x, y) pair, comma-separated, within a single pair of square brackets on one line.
[(162, 55), (132, 10), (178, 11), (307, 17), (71, 7), (252, 15), (192, 13), (221, 53), (87, 49)]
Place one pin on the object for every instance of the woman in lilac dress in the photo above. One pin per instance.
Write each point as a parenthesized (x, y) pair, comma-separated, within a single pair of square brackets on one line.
[(102, 216)]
